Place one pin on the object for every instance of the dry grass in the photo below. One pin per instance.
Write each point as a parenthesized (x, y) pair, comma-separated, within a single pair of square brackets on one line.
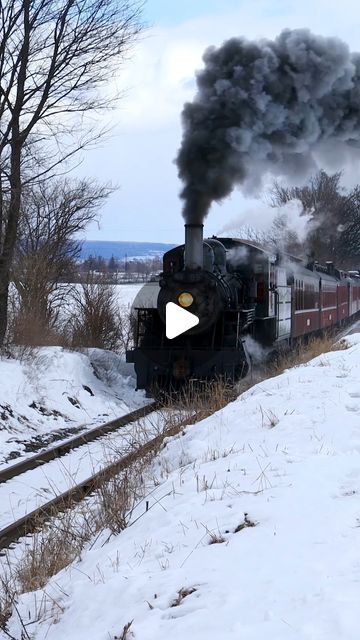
[(28, 329), (55, 547), (125, 632), (304, 352), (244, 525), (300, 354), (182, 594), (49, 552), (116, 498), (58, 545), (216, 538), (269, 418), (8, 593), (85, 316), (200, 399)]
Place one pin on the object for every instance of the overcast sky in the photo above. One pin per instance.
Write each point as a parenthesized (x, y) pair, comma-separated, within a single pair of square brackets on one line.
[(159, 78)]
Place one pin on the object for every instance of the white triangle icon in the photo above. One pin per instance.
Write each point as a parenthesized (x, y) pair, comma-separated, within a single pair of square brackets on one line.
[(178, 320)]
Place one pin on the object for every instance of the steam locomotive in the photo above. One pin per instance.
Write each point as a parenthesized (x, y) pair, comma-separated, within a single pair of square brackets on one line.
[(236, 288)]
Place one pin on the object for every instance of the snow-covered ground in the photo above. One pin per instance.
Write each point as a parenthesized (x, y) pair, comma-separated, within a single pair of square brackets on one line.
[(34, 488), (126, 293), (51, 393), (48, 394), (285, 457)]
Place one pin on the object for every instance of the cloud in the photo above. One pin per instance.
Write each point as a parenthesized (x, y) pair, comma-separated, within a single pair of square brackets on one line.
[(160, 77), (156, 82)]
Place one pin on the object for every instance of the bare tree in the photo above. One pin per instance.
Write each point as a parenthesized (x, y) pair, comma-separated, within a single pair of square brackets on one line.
[(94, 321), (282, 237), (350, 229), (321, 193), (334, 214), (248, 232), (52, 216), (56, 56), (278, 236)]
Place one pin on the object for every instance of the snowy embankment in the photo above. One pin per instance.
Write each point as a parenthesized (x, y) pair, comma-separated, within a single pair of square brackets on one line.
[(51, 393), (286, 454)]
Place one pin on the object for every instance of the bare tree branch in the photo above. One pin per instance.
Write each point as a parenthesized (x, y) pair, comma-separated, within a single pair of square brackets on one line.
[(53, 215), (56, 58), (334, 215)]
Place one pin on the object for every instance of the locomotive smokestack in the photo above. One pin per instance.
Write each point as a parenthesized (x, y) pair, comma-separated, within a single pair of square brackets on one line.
[(194, 246)]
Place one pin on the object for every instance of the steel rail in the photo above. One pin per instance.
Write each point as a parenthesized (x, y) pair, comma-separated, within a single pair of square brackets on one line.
[(38, 517), (63, 448)]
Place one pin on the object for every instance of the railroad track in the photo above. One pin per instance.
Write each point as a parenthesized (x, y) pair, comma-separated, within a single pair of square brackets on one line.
[(62, 449), (36, 518)]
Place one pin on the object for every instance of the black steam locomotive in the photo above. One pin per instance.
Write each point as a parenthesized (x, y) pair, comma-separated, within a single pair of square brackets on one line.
[(235, 287)]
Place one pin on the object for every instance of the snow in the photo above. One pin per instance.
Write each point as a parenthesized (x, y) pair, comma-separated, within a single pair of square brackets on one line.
[(46, 393), (51, 393), (34, 488), (126, 293), (287, 454)]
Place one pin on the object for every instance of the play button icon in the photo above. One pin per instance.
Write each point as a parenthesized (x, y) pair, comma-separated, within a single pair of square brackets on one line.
[(178, 320)]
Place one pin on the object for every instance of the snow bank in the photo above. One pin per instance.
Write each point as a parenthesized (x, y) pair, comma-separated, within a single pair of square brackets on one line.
[(286, 453), (52, 393)]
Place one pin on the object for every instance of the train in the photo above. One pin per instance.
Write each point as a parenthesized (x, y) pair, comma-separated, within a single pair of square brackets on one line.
[(236, 288)]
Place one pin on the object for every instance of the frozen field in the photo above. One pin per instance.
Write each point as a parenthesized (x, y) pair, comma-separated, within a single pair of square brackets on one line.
[(127, 293)]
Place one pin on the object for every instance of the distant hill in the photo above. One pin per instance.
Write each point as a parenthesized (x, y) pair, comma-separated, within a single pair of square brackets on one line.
[(119, 250)]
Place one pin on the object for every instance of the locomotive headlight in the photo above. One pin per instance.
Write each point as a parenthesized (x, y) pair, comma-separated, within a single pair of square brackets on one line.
[(185, 299)]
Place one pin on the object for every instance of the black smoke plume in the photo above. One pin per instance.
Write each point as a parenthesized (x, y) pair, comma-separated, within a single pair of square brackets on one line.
[(269, 106)]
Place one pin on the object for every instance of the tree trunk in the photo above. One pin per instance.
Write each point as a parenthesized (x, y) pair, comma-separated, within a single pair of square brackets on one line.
[(9, 242), (4, 297)]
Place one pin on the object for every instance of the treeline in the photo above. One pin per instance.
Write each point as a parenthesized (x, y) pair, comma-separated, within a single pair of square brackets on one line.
[(322, 226), (114, 270), (332, 230)]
